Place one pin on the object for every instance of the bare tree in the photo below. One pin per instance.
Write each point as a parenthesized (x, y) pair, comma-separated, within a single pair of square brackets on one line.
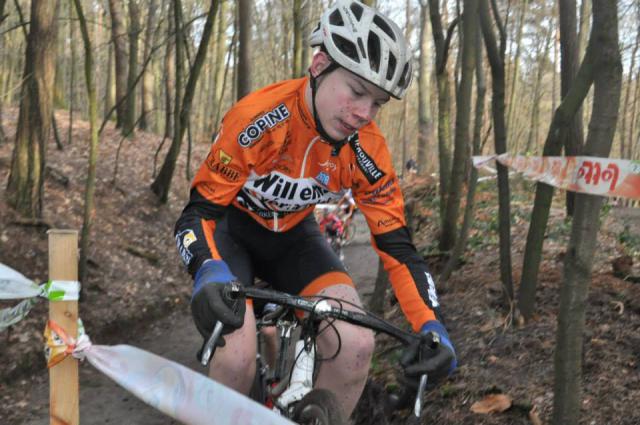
[(134, 36), (244, 48), (481, 88), (25, 186), (563, 123), (495, 55), (93, 150), (444, 105), (118, 37), (162, 183), (568, 68), (3, 137), (146, 96), (463, 110), (169, 76), (603, 56), (425, 118)]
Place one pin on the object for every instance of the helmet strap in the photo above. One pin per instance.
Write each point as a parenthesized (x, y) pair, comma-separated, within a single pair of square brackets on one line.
[(313, 81)]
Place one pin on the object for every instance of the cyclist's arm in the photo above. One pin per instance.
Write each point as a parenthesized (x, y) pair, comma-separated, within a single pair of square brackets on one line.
[(214, 187), (381, 202)]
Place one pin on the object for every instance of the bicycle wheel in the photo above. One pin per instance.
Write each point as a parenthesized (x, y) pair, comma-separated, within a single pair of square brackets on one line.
[(319, 407)]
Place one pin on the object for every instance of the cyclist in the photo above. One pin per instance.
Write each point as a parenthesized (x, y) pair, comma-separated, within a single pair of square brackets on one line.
[(280, 151), (331, 224)]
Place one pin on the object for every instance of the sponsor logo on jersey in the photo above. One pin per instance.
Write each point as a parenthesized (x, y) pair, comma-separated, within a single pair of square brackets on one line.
[(254, 131), (227, 172), (183, 240), (433, 296), (381, 195), (225, 158), (328, 165), (388, 222), (323, 178), (364, 161), (279, 192)]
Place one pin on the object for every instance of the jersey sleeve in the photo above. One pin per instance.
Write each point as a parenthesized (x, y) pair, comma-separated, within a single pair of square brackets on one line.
[(214, 187), (377, 193)]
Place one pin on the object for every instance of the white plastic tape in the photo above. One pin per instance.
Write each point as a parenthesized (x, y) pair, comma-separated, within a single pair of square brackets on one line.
[(176, 390), (14, 285), (61, 290)]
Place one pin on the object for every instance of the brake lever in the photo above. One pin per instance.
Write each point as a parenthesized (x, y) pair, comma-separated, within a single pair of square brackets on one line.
[(417, 407), (210, 346)]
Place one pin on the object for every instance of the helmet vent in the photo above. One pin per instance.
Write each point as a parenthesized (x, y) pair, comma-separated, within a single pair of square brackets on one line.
[(346, 47), (373, 46), (336, 18), (391, 70), (384, 27), (361, 46), (404, 81), (357, 10)]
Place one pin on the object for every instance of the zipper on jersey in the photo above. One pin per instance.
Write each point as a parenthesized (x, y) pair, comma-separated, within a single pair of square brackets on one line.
[(306, 155)]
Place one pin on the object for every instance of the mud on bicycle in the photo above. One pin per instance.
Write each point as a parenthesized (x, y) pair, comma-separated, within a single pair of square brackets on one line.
[(285, 383)]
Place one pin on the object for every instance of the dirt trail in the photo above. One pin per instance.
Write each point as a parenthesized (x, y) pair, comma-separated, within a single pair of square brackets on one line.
[(175, 338)]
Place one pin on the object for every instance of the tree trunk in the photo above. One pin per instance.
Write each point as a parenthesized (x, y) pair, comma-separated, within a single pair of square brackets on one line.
[(221, 42), (3, 137), (425, 118), (162, 183), (568, 68), (244, 48), (25, 185), (580, 252), (147, 79), (93, 150), (561, 124), (532, 139), (72, 75), (298, 22), (169, 77), (496, 61), (119, 38), (461, 241), (625, 103), (444, 106), (134, 35), (513, 141), (463, 110), (585, 21), (110, 88)]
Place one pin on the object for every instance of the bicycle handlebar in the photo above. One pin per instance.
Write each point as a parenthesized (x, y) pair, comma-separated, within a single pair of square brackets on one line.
[(323, 309)]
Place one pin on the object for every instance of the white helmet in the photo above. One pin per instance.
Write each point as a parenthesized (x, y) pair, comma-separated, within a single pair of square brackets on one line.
[(366, 43)]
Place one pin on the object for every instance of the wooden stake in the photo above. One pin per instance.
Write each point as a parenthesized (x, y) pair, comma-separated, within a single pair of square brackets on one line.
[(63, 378)]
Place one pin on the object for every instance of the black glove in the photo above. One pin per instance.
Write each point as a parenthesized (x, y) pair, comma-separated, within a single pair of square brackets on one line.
[(433, 354), (210, 302)]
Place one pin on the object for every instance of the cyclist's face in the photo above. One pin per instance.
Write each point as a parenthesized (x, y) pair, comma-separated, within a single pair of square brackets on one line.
[(344, 101)]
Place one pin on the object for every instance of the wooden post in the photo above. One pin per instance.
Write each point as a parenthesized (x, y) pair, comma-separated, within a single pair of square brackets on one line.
[(63, 378)]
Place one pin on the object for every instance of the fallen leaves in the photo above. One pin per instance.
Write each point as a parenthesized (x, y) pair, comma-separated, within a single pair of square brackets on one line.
[(491, 404)]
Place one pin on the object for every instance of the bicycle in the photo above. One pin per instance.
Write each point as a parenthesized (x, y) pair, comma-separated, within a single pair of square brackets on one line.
[(288, 386)]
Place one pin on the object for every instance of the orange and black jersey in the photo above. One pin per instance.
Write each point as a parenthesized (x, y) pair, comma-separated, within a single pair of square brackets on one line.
[(269, 161)]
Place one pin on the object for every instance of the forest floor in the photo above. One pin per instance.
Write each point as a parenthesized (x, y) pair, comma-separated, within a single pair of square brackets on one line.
[(136, 280)]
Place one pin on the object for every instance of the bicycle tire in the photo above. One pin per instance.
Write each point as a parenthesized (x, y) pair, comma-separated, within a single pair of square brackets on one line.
[(319, 407)]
